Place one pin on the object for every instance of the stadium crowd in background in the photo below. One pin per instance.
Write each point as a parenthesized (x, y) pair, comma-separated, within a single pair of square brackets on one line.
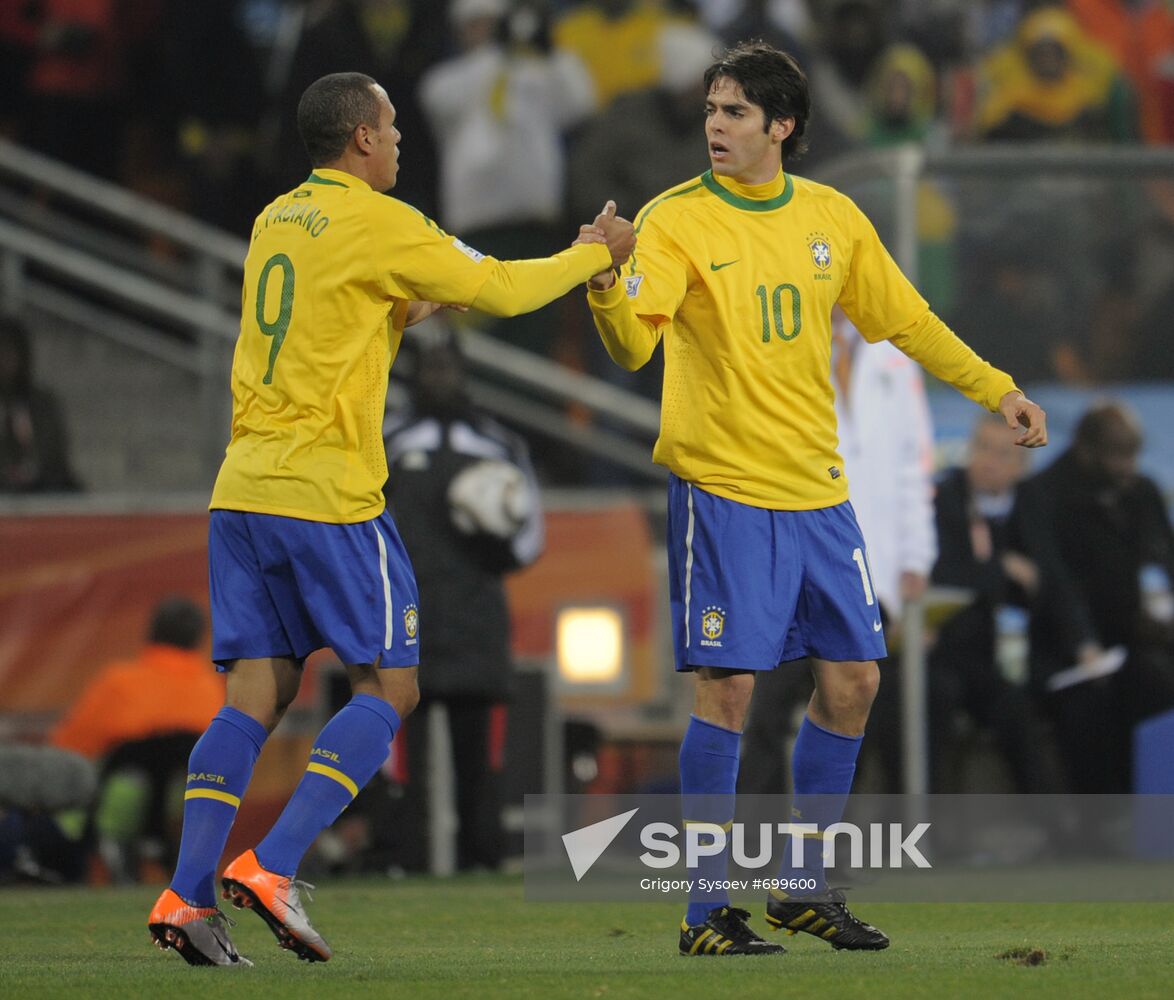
[(134, 87), (192, 104)]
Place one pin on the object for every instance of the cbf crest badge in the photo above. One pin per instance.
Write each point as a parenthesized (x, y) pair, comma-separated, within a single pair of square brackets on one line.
[(411, 623), (713, 624), (821, 250)]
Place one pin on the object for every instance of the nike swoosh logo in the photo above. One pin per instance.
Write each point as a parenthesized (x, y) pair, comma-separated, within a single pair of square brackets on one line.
[(876, 626), (718, 267)]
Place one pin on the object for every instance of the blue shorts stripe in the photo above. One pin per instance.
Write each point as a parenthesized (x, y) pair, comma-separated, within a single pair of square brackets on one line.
[(388, 627)]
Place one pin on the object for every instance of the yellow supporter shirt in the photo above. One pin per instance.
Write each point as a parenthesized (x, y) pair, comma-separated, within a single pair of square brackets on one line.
[(740, 282), (331, 268), (621, 53)]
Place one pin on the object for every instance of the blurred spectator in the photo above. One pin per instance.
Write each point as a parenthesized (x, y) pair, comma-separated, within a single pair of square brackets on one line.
[(467, 504), (617, 41), (1100, 534), (168, 687), (77, 84), (978, 663), (902, 97), (393, 41), (1054, 82), (851, 36), (212, 113), (991, 23), (498, 111), (34, 448), (902, 106), (886, 440), (644, 142), (1140, 33), (142, 717), (785, 24)]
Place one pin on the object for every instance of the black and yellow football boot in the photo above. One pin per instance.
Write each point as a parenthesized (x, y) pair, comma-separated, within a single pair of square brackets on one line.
[(725, 932), (826, 916)]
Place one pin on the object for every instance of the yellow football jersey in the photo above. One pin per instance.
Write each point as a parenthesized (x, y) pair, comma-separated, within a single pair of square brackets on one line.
[(740, 282), (331, 268)]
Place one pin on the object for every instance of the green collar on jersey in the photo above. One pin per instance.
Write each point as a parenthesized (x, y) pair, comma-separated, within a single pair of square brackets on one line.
[(317, 179), (750, 204)]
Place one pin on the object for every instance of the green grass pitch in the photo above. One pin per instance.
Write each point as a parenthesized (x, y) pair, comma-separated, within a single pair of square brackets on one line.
[(476, 937)]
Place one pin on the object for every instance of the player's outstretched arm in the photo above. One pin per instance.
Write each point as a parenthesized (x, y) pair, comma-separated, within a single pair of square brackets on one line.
[(1021, 412), (616, 234), (425, 264), (520, 286)]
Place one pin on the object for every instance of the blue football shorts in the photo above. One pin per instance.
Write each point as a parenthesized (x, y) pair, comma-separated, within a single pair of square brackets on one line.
[(282, 586), (751, 588)]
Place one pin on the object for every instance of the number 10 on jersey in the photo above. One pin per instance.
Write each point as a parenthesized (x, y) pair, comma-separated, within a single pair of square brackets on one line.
[(772, 309)]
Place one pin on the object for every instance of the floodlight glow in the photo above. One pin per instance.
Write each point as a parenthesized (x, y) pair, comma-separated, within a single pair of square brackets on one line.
[(590, 646)]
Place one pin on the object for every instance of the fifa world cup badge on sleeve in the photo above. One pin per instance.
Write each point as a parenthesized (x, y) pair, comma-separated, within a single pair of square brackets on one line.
[(632, 285)]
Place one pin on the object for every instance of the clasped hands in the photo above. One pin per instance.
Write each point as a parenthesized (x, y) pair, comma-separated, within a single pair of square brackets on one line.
[(620, 237)]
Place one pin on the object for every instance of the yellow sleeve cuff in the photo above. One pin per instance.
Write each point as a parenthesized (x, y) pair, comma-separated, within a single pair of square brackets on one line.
[(609, 297)]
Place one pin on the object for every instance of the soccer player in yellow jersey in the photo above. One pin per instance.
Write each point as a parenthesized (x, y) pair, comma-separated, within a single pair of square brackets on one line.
[(737, 271), (302, 553)]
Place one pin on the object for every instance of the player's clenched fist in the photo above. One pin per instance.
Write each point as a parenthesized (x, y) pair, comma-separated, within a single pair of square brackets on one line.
[(619, 235)]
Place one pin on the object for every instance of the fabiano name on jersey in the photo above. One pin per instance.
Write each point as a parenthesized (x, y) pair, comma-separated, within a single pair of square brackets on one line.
[(740, 282)]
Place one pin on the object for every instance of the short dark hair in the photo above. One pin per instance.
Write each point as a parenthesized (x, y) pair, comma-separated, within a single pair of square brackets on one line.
[(177, 621), (331, 109), (773, 80)]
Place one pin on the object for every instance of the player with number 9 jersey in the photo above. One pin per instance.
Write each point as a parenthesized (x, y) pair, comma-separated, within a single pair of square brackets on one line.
[(331, 269), (302, 553)]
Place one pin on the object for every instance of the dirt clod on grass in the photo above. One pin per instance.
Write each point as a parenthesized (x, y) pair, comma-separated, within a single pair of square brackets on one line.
[(1023, 956)]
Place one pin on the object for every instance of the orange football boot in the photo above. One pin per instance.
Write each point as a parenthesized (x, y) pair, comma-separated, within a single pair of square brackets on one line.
[(198, 933), (276, 900)]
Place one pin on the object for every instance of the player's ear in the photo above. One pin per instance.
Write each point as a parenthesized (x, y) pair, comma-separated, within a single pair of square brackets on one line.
[(362, 137), (780, 128)]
